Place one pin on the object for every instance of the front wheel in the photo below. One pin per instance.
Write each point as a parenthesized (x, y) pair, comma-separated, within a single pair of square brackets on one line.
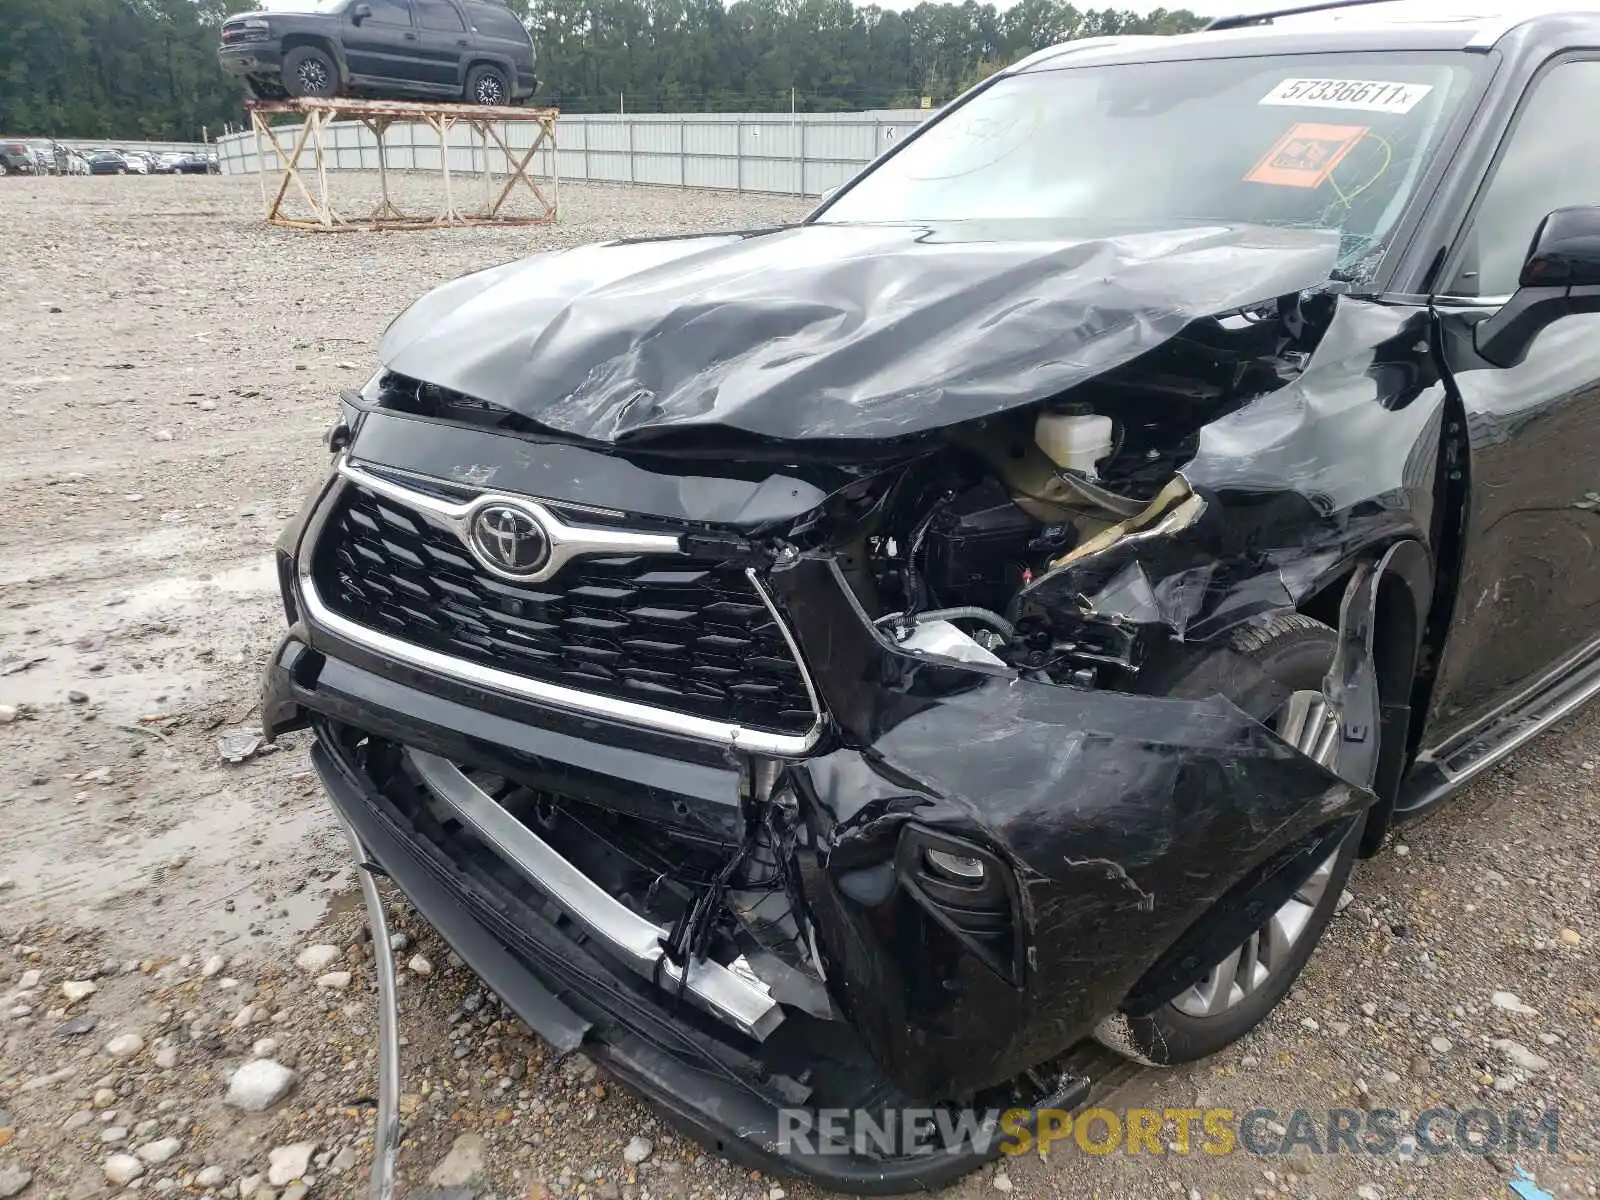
[(1292, 654), (309, 72), (489, 86)]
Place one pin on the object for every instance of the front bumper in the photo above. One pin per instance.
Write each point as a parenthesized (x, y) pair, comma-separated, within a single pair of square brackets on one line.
[(709, 1086), (251, 58)]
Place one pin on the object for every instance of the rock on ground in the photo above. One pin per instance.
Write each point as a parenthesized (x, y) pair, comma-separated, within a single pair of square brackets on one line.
[(314, 960), (160, 1150), (289, 1163), (462, 1165), (123, 1168), (259, 1084)]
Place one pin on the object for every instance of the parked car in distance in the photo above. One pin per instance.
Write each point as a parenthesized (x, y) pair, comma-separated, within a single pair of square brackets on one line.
[(138, 164), (44, 157), (17, 159), (107, 162), (799, 699), (471, 50), (187, 163)]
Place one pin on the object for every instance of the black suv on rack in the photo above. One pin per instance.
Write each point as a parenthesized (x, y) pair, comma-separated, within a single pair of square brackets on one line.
[(471, 50), (893, 663)]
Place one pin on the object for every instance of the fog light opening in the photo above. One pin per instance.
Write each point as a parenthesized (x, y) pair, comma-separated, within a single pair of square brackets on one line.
[(958, 867)]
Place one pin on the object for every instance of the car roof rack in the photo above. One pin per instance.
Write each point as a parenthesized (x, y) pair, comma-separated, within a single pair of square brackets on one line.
[(1245, 20)]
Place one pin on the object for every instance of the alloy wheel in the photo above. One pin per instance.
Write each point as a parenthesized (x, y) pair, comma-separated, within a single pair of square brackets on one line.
[(313, 78), (1308, 723), (489, 91)]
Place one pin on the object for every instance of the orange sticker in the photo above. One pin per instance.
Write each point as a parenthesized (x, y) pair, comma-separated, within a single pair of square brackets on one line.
[(1306, 155)]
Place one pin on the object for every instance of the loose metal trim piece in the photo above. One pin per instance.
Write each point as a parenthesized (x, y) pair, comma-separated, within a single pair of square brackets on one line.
[(725, 993), (386, 1124), (727, 733)]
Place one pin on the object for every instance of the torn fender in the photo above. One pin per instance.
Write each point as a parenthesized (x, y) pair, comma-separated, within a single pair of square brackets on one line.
[(1296, 485), (1121, 818), (832, 332)]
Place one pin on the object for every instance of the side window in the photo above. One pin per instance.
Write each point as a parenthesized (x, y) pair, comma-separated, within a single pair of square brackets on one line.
[(497, 23), (390, 12), (1548, 162), (439, 14)]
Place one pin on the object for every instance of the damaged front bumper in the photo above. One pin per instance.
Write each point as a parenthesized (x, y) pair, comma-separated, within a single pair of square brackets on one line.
[(1105, 824), (966, 871), (761, 1103)]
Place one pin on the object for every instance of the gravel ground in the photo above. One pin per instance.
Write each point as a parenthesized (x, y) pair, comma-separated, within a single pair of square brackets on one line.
[(167, 368)]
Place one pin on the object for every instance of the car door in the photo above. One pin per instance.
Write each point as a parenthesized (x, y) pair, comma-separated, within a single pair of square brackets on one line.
[(443, 42), (383, 45), (1528, 595)]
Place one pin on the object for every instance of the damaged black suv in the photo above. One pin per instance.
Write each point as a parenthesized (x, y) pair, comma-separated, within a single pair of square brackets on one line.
[(880, 663)]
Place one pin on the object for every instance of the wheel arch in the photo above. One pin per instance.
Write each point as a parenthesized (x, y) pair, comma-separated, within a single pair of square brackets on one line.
[(486, 58), (318, 41), (1399, 598)]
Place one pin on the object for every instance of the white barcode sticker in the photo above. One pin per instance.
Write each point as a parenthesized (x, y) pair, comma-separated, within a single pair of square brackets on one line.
[(1365, 95)]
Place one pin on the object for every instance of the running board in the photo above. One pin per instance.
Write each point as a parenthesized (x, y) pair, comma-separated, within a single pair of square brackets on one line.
[(1440, 772), (741, 1001)]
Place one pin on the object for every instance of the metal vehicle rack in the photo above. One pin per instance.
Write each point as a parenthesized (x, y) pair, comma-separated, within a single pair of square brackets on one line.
[(488, 123)]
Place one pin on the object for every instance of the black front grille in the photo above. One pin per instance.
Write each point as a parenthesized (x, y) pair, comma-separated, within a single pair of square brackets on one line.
[(674, 632)]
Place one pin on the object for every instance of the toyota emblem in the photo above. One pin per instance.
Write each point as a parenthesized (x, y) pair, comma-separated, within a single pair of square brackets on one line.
[(509, 540)]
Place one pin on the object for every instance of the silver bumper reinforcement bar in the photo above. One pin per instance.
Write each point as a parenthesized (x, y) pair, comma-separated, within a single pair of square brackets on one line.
[(740, 1000)]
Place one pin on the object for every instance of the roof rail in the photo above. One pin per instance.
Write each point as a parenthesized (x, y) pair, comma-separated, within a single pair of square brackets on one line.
[(1245, 20), (1098, 42)]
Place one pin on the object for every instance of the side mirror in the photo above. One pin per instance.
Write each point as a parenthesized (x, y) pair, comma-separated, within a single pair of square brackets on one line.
[(1560, 277), (360, 13)]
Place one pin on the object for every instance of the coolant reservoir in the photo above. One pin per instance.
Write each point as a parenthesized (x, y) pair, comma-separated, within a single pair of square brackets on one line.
[(1074, 441)]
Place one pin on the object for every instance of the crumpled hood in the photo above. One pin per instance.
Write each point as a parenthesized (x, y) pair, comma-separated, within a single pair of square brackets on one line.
[(830, 331)]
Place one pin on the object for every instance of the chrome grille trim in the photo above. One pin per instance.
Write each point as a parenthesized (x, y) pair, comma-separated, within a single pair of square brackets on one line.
[(567, 541), (732, 735)]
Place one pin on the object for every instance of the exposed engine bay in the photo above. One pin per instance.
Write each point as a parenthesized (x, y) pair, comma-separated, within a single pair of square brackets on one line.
[(969, 542)]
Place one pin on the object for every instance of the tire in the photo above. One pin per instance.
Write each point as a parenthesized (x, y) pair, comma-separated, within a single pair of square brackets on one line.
[(1289, 655), (308, 71), (487, 85)]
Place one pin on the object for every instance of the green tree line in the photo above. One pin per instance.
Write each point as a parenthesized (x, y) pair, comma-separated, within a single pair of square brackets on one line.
[(148, 69)]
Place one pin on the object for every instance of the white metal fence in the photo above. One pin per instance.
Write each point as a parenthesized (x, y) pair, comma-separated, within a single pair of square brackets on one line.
[(752, 152)]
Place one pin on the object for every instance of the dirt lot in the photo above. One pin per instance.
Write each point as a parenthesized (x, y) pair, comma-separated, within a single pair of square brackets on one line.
[(167, 366)]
